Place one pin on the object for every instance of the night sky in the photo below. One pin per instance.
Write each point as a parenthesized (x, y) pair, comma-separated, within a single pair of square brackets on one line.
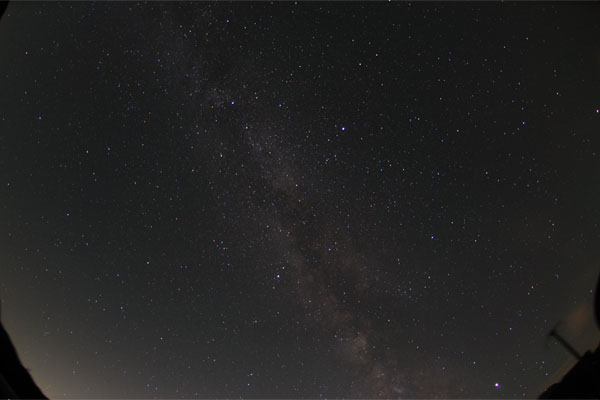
[(299, 200)]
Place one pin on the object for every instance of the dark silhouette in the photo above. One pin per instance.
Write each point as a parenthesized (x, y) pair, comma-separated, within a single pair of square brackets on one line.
[(583, 380), (597, 303), (15, 381), (3, 5)]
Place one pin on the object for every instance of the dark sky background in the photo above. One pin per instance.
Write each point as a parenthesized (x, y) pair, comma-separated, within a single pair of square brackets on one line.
[(298, 199)]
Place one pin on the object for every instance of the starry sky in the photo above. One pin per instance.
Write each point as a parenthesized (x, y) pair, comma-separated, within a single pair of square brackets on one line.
[(299, 200)]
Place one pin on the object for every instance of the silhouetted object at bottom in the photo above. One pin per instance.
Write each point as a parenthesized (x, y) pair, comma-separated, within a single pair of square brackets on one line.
[(581, 382), (15, 381), (3, 6)]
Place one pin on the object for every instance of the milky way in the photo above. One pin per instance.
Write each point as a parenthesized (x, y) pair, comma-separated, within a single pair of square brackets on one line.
[(298, 200)]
